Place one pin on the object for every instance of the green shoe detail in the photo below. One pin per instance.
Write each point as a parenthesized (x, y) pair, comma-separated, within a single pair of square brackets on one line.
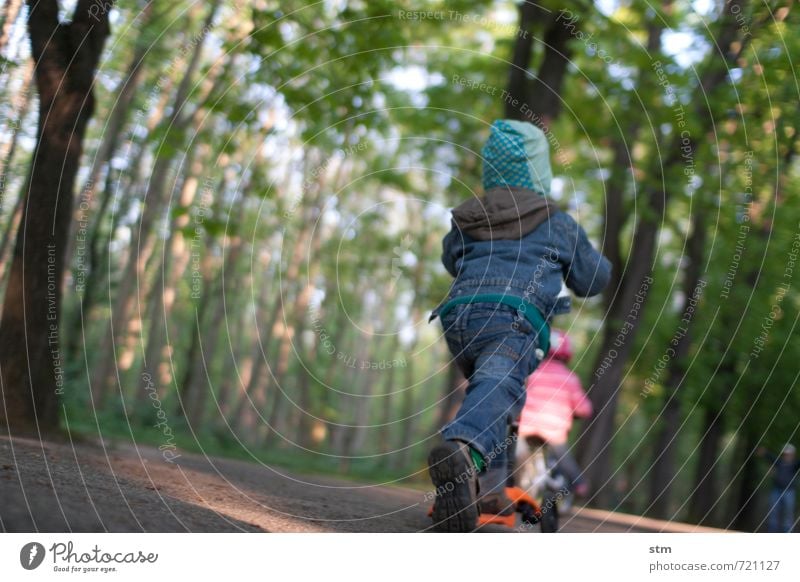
[(477, 459)]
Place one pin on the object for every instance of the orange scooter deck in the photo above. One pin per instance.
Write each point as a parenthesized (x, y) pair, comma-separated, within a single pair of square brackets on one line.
[(519, 497)]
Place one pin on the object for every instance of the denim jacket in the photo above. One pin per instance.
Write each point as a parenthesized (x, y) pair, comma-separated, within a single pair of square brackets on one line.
[(532, 267)]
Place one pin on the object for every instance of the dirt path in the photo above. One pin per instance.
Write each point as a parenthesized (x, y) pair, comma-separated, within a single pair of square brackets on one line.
[(57, 487)]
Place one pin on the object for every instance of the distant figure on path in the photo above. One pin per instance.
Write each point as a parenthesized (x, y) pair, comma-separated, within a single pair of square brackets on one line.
[(782, 495)]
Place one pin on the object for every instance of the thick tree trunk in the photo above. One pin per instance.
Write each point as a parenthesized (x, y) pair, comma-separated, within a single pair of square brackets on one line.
[(545, 92), (614, 214), (66, 57)]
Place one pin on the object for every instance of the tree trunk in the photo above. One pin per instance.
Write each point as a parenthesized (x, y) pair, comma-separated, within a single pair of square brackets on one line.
[(226, 398), (253, 395), (663, 474), (704, 497), (454, 392), (109, 143), (192, 401), (142, 239), (545, 92), (305, 402), (252, 401), (195, 385), (335, 378), (388, 401), (10, 13), (306, 244), (402, 457), (624, 303), (94, 275), (744, 502), (290, 343), (538, 100), (517, 87), (9, 232), (364, 399), (254, 389), (66, 57), (89, 276), (625, 307), (175, 260), (409, 415), (20, 106)]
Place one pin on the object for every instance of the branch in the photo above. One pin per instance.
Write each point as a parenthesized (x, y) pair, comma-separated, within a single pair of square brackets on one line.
[(729, 44), (178, 117), (545, 91), (517, 86), (87, 34)]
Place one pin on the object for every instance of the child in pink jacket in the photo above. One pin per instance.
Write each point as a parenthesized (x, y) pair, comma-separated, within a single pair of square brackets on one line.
[(555, 397)]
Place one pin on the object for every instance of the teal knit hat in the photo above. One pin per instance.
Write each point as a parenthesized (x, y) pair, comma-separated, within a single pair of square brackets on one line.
[(516, 154)]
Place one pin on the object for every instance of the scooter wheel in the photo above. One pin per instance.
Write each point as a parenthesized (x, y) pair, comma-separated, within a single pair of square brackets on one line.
[(529, 514), (548, 521)]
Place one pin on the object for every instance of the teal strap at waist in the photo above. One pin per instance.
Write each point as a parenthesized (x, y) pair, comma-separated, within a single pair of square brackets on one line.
[(530, 312)]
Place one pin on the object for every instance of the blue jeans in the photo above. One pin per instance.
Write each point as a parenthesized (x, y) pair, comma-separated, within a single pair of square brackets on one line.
[(781, 512), (495, 347)]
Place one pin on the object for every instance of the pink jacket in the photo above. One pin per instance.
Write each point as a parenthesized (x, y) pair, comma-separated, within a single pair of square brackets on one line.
[(554, 397)]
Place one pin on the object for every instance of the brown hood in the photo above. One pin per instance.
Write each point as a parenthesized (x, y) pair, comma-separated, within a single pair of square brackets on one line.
[(502, 213)]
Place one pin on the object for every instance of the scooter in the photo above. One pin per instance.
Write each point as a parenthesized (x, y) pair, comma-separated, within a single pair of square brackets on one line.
[(536, 499)]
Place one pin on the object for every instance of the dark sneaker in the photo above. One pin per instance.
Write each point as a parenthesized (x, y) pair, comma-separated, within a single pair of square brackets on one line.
[(496, 504), (454, 476)]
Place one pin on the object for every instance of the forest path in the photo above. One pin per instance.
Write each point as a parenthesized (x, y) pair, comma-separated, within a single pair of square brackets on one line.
[(54, 487)]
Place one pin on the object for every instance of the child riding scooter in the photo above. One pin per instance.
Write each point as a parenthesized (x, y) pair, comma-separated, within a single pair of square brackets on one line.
[(509, 251), (554, 398)]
